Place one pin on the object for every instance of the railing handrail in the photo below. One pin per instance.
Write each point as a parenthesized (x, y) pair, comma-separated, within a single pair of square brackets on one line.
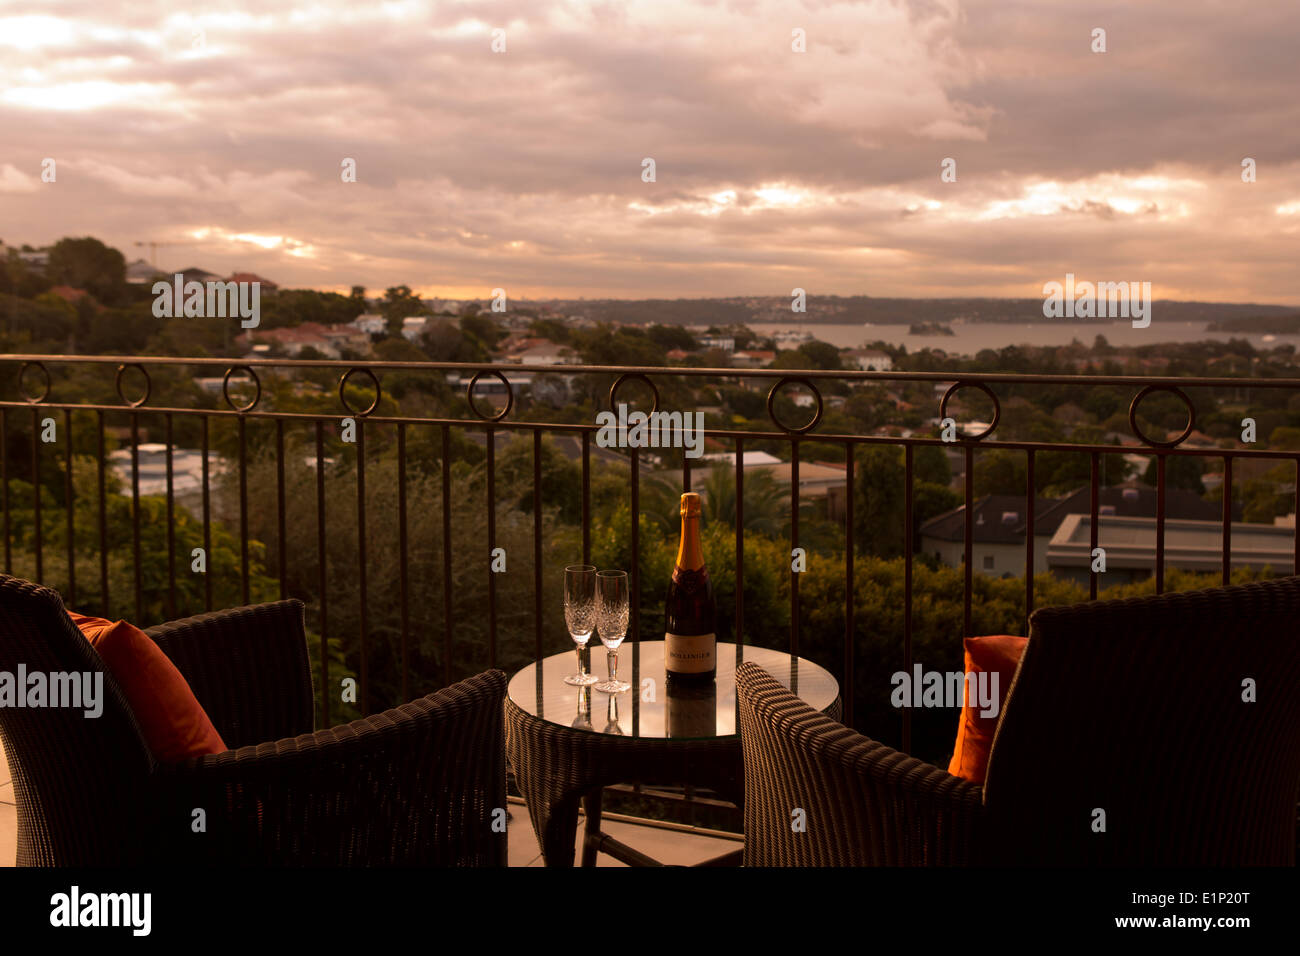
[(1006, 378)]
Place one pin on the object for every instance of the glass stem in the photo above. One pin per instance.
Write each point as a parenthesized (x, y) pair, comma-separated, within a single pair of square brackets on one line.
[(582, 671), (613, 665)]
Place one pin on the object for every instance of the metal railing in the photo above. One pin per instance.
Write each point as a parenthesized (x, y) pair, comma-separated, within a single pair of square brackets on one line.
[(368, 421)]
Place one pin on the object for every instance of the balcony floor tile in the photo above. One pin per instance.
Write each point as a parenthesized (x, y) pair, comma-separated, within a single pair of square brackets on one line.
[(8, 833)]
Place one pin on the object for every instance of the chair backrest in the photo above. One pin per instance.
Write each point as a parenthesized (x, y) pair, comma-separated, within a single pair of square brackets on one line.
[(1154, 731), (78, 780), (820, 794)]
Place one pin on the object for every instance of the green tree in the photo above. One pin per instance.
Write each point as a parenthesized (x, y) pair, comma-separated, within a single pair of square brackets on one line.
[(879, 501), (1181, 471), (399, 302), (89, 264)]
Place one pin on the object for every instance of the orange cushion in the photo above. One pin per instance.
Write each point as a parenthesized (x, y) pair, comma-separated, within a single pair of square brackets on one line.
[(998, 654), (173, 722)]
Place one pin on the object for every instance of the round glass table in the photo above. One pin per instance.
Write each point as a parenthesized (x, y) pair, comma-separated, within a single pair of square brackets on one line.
[(566, 743)]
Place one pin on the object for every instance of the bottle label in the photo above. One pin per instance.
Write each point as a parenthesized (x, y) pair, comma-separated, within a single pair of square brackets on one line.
[(690, 653)]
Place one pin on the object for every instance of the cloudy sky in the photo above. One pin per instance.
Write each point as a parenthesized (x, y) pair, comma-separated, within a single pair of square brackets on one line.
[(223, 129)]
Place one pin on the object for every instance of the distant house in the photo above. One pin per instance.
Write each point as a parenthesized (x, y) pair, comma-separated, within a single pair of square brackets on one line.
[(68, 294), (328, 340), (370, 323), (1130, 546), (141, 272), (999, 523), (547, 354), (413, 326), (195, 274), (677, 355), (36, 259), (727, 343), (517, 342), (867, 360), (266, 284), (752, 358), (347, 337), (186, 471)]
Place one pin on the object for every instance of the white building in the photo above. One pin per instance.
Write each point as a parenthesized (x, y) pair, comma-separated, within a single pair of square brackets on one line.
[(370, 323), (868, 360), (1130, 546), (187, 472), (548, 354), (413, 326)]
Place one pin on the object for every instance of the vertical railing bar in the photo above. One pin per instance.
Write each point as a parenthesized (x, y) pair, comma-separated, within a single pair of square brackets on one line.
[(1295, 557), (363, 606), (794, 544), (634, 610), (70, 505), (135, 512), (537, 542), (492, 545), (686, 470), (4, 480), (1160, 524), (1094, 520), (849, 607), (446, 555), (171, 520), (243, 513), (1227, 520), (37, 530), (908, 465), (967, 559), (402, 560), (322, 575), (1031, 499), (207, 521), (586, 497), (740, 551), (281, 519), (103, 524)]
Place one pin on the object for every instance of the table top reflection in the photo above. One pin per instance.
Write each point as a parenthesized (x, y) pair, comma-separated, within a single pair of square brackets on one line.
[(649, 709)]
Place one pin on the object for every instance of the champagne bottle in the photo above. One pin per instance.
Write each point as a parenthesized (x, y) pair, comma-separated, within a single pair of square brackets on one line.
[(691, 646)]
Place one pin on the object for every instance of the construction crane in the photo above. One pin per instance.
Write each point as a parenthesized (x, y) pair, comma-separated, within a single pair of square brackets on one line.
[(154, 244)]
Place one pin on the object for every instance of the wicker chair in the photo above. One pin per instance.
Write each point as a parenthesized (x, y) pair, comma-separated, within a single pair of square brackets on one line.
[(415, 785), (1133, 707)]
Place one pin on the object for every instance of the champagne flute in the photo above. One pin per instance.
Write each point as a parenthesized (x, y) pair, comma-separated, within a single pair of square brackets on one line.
[(580, 615), (611, 623)]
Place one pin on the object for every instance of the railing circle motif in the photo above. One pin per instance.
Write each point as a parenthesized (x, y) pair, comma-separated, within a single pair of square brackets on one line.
[(613, 390), (997, 405), (771, 411), (225, 387), (148, 384), (343, 381), (45, 393), (510, 395), (1137, 400)]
